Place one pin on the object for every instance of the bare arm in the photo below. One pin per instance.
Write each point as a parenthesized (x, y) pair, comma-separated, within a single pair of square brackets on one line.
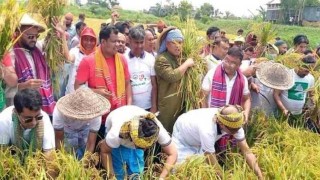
[(204, 103), (154, 94), (172, 154), (246, 104), (91, 141), (9, 76), (59, 134), (277, 99), (129, 92), (52, 168), (105, 152), (250, 158)]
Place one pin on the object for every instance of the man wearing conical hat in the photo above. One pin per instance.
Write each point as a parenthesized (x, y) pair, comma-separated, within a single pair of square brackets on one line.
[(77, 119), (292, 101), (129, 131), (197, 132), (28, 60), (26, 126)]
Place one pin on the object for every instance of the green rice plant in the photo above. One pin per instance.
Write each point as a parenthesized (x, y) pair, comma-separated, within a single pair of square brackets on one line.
[(10, 15), (53, 43), (190, 87), (265, 33)]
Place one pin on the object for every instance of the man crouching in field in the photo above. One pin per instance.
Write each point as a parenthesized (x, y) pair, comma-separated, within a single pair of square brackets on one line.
[(129, 131), (198, 132)]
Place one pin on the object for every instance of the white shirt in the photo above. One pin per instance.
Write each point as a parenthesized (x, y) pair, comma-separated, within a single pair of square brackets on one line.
[(69, 125), (212, 62), (207, 84), (141, 70), (197, 128), (73, 68), (124, 114), (7, 134), (295, 98)]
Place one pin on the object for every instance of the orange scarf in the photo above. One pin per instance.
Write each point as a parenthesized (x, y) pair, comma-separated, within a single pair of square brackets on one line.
[(103, 79)]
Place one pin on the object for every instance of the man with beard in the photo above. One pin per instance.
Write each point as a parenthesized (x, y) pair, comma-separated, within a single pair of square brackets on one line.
[(292, 101), (70, 28), (30, 64)]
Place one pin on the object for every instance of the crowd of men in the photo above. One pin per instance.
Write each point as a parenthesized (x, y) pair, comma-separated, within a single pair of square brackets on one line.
[(119, 93)]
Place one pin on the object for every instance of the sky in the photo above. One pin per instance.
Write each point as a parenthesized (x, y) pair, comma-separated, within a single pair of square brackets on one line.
[(238, 7)]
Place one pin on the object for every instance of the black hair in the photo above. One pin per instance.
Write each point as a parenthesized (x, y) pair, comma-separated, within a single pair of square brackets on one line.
[(106, 31), (299, 39), (240, 30), (79, 25), (122, 26), (309, 59), (308, 51), (147, 128), (150, 29), (82, 16), (211, 30), (318, 51), (248, 47), (27, 98), (236, 52)]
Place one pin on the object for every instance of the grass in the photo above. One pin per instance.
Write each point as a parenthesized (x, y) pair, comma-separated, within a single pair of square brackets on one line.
[(286, 32)]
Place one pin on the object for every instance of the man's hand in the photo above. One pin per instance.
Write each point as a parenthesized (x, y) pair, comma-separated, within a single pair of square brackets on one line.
[(58, 26), (255, 88), (31, 83), (286, 112), (189, 62), (103, 92)]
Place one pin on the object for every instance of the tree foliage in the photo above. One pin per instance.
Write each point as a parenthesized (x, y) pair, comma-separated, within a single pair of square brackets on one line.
[(185, 10)]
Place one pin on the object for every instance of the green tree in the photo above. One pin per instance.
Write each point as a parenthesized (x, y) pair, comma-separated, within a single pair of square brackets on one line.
[(185, 10), (207, 10)]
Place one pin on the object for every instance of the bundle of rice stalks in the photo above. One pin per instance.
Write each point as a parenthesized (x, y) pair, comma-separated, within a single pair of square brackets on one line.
[(290, 60), (190, 87), (265, 33), (53, 45), (10, 15)]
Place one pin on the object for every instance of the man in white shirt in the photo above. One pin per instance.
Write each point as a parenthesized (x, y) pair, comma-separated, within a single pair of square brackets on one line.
[(293, 100), (130, 130), (77, 120), (225, 84), (26, 126), (142, 73), (198, 131)]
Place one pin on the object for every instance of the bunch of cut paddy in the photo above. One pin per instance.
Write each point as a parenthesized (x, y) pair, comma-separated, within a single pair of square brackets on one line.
[(190, 87), (265, 33), (53, 44), (10, 15)]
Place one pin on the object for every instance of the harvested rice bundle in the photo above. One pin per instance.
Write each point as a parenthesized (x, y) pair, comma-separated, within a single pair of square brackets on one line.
[(265, 33), (190, 87), (53, 46), (10, 16), (290, 60)]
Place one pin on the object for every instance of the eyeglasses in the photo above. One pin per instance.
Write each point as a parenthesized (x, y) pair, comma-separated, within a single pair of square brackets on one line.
[(29, 119), (32, 36)]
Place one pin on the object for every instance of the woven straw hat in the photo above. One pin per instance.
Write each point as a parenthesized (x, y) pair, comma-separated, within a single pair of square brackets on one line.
[(275, 75), (83, 104), (26, 20)]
